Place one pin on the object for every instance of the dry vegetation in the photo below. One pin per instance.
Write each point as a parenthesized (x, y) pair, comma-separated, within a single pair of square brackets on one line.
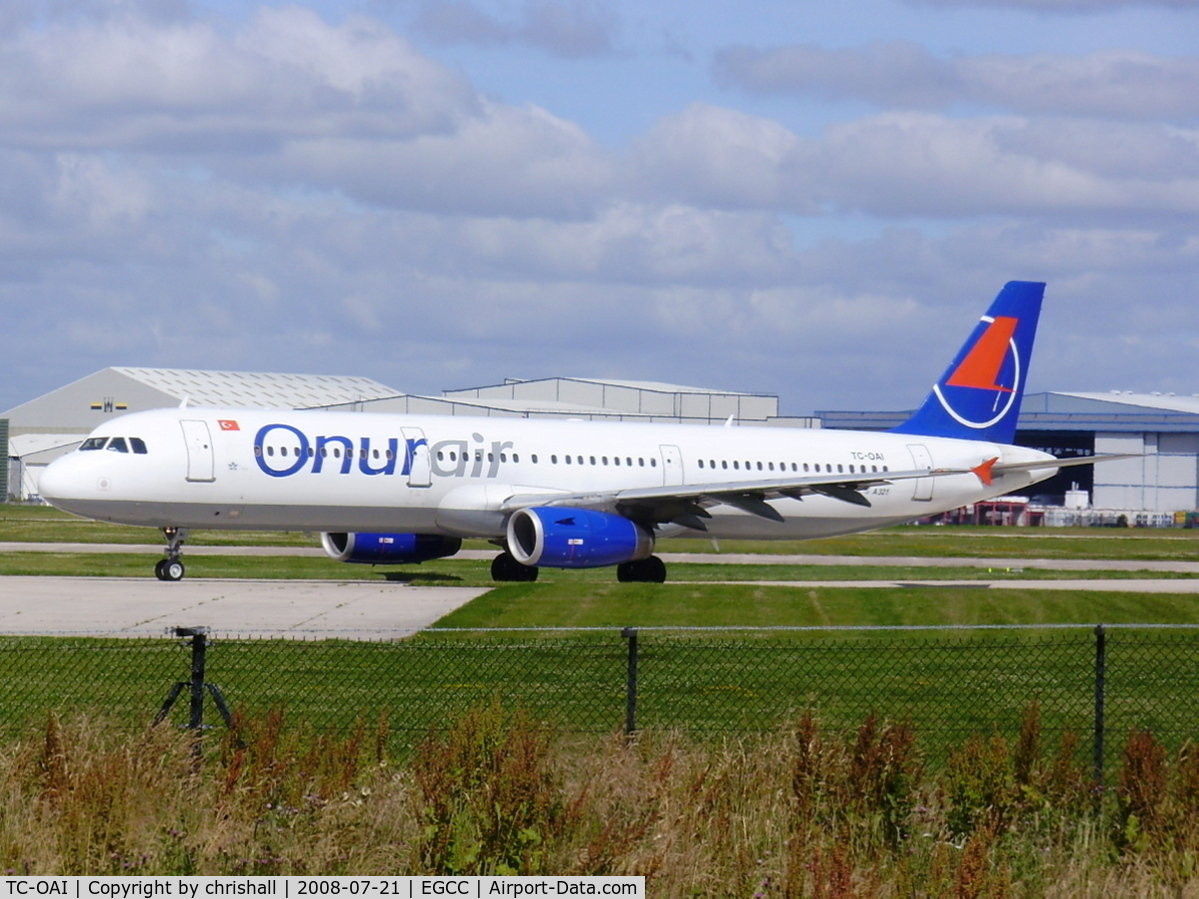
[(798, 813)]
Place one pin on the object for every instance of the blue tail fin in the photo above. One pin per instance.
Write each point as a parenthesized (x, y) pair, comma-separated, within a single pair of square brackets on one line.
[(978, 397)]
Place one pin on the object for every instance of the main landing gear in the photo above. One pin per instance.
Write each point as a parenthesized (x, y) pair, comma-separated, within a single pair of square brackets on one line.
[(652, 570), (506, 568), (171, 568)]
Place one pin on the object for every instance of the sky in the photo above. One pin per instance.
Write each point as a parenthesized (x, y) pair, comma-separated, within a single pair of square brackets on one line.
[(812, 199)]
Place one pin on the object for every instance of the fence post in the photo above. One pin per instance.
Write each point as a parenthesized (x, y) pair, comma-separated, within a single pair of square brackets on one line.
[(630, 713), (1100, 686), (199, 637)]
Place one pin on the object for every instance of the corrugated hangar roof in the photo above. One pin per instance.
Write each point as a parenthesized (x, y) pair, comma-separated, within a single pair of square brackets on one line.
[(264, 390), (1166, 401), (1109, 412), (655, 386)]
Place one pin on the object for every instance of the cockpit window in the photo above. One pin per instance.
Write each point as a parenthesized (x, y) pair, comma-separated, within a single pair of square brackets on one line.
[(93, 443), (118, 445), (139, 445)]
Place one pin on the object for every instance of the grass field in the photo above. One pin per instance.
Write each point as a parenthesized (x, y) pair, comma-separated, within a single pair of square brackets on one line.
[(720, 708), (723, 689)]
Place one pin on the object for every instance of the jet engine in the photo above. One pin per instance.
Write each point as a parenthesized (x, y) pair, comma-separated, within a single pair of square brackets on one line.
[(575, 538), (389, 549)]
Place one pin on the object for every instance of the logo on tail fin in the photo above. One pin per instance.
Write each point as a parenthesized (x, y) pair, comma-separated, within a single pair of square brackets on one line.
[(992, 365)]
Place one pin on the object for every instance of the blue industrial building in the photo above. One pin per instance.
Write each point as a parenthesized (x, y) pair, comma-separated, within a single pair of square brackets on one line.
[(1162, 430)]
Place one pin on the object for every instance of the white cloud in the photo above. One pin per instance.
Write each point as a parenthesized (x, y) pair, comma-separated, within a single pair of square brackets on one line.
[(503, 161), (1121, 84), (722, 157), (285, 193), (132, 83), (909, 164)]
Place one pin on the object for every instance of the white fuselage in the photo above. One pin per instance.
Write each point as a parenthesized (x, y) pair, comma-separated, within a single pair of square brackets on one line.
[(368, 472)]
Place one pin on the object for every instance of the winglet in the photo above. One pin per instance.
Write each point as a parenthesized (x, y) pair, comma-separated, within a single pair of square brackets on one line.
[(984, 471)]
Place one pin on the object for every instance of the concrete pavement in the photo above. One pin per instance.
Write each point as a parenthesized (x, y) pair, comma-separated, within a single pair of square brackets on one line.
[(124, 607)]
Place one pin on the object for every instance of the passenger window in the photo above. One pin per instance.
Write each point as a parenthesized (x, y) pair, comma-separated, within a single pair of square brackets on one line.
[(139, 445), (93, 443), (701, 463), (653, 463), (118, 445)]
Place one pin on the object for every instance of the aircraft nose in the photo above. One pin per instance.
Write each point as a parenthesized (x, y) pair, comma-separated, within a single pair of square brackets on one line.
[(60, 480)]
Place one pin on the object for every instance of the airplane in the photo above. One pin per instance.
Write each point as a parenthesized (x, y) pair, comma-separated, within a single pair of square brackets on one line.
[(403, 489)]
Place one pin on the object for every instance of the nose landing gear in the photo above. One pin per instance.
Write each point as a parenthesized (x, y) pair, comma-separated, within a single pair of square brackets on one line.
[(171, 568)]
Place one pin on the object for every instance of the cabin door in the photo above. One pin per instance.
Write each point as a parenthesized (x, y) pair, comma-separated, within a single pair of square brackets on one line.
[(416, 458), (921, 459), (200, 464), (672, 466)]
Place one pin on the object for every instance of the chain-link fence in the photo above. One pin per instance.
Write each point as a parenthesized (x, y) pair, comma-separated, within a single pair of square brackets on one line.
[(1099, 683)]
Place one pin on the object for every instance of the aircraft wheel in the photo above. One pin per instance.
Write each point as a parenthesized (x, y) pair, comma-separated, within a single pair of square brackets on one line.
[(643, 571), (169, 570), (506, 568)]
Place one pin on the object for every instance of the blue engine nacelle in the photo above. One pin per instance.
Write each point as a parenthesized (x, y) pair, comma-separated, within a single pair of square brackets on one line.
[(575, 538), (389, 549)]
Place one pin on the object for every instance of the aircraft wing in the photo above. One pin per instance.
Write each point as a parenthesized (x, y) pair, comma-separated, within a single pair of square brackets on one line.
[(687, 504)]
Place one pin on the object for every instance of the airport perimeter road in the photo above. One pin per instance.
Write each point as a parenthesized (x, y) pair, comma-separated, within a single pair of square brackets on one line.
[(125, 607)]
